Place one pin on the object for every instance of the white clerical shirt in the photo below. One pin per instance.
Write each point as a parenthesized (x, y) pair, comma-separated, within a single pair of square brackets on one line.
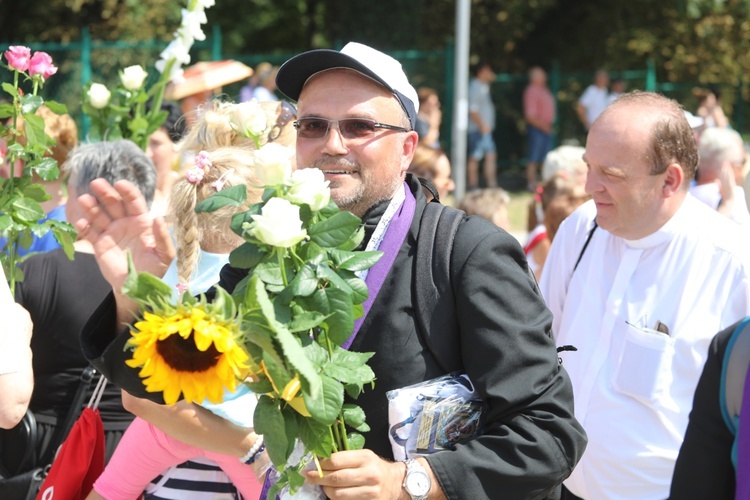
[(634, 385)]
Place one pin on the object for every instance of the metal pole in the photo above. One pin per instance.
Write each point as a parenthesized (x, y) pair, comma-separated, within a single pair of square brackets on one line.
[(461, 100), (85, 74)]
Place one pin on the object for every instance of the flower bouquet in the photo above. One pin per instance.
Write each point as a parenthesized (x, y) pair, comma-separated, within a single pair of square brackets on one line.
[(25, 152), (290, 315), (121, 113)]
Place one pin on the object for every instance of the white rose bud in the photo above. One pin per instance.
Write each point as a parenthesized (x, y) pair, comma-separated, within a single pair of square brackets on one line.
[(98, 96), (273, 164), (279, 224), (309, 186), (132, 77), (249, 119)]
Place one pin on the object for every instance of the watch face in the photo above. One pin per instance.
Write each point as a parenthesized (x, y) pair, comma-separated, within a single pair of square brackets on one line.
[(417, 483)]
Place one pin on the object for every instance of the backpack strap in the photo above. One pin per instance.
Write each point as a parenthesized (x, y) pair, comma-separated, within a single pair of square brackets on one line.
[(435, 303), (733, 372)]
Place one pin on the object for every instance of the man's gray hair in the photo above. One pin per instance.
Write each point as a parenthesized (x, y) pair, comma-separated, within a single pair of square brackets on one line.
[(717, 145), (112, 161)]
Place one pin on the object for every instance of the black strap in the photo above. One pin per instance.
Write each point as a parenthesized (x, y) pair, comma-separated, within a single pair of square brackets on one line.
[(430, 187), (585, 245), (61, 431), (433, 288)]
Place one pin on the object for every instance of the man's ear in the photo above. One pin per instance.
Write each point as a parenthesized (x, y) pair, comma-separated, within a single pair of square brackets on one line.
[(673, 180), (410, 146)]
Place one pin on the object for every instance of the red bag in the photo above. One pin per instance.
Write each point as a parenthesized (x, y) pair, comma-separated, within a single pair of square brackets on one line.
[(80, 460)]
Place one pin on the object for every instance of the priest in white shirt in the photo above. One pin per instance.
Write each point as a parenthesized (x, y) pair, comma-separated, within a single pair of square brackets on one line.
[(639, 279), (720, 170)]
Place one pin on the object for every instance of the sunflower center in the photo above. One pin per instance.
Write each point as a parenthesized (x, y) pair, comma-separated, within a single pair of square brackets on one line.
[(183, 355)]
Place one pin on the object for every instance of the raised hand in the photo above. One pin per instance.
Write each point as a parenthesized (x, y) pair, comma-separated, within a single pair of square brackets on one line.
[(116, 221)]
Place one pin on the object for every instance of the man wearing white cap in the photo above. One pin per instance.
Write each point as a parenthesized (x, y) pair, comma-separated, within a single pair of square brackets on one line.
[(356, 123), (356, 117)]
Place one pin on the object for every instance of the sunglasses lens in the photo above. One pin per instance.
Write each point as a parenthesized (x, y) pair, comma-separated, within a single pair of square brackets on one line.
[(356, 128), (312, 128)]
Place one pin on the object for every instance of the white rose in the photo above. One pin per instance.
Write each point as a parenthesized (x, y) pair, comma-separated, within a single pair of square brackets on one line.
[(273, 164), (98, 96), (249, 119), (279, 224), (309, 186), (132, 77)]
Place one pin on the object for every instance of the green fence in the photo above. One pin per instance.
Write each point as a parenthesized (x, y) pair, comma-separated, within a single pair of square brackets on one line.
[(88, 60)]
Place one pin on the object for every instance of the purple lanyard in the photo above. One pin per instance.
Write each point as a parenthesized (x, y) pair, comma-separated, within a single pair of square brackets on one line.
[(392, 242), (743, 445)]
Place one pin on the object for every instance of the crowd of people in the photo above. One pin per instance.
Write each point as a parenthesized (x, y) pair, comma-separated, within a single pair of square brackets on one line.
[(594, 344)]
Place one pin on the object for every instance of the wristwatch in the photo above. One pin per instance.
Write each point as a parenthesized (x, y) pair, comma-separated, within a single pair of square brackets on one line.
[(417, 482)]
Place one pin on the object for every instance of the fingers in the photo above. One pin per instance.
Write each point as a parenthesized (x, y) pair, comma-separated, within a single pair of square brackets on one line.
[(132, 199), (164, 248)]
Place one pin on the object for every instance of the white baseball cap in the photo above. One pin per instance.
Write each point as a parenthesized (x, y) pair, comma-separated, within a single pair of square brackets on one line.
[(380, 67)]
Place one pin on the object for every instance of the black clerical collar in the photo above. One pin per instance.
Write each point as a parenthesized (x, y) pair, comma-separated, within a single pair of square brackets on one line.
[(371, 219)]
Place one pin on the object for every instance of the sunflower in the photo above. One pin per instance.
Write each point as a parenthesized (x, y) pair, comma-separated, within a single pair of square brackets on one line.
[(192, 351)]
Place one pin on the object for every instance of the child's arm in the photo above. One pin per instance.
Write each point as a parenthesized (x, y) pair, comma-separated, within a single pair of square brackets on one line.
[(143, 453), (193, 425)]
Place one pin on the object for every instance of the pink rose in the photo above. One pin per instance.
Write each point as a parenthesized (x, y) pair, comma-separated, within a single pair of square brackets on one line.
[(18, 57), (41, 64)]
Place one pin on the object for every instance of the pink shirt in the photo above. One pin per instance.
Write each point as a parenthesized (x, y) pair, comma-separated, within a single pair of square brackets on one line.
[(539, 103)]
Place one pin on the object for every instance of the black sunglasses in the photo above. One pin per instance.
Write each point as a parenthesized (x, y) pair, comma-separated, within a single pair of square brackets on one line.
[(350, 128)]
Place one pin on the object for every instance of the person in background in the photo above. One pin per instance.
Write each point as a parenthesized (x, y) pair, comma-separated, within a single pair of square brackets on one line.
[(639, 279), (60, 294), (63, 130), (480, 144), (163, 151), (556, 194), (617, 89), (433, 165), (246, 92), (720, 170), (490, 204), (709, 108), (429, 117), (594, 99), (16, 371), (264, 90), (539, 111)]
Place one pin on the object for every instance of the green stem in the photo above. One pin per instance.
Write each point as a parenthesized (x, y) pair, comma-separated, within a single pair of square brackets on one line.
[(344, 439), (294, 254), (280, 254), (335, 436)]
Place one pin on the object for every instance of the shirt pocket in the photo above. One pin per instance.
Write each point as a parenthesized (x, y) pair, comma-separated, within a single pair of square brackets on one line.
[(644, 371)]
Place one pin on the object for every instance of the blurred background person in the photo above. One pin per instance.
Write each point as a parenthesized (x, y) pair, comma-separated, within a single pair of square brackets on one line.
[(555, 199), (488, 203), (246, 92), (16, 371), (594, 99), (720, 177), (617, 89), (429, 117), (60, 295), (162, 150), (433, 165), (539, 111), (264, 90), (709, 108), (568, 159), (480, 144)]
